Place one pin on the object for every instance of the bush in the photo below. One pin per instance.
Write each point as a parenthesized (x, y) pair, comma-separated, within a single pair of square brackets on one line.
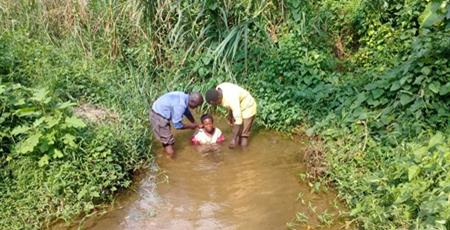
[(54, 165)]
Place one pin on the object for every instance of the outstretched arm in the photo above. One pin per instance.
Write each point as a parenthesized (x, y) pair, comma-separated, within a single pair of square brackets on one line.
[(177, 119), (189, 116)]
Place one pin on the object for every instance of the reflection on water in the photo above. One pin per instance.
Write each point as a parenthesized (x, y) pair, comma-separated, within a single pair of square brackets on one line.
[(216, 188)]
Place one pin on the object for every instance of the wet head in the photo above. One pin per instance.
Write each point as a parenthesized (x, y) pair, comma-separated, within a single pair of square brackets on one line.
[(208, 123)]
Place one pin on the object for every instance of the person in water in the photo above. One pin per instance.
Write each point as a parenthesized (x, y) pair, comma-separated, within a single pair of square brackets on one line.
[(241, 106), (208, 134), (169, 107)]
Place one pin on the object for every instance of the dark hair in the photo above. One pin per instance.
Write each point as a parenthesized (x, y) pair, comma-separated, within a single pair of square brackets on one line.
[(212, 95), (196, 98), (206, 116)]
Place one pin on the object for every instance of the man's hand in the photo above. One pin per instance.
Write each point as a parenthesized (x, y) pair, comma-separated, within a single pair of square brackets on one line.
[(235, 138), (196, 126), (230, 118), (191, 126), (232, 144), (229, 123)]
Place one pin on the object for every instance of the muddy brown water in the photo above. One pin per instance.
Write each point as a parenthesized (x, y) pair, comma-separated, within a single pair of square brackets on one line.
[(253, 188)]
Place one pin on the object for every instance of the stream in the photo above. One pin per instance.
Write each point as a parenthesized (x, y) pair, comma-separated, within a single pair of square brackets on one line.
[(253, 188)]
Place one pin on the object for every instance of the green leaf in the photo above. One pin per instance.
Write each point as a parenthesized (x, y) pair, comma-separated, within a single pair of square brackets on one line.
[(29, 144), (405, 98), (359, 99), (431, 15), (40, 95), (44, 146), (57, 153), (95, 194), (43, 161), (413, 171), (2, 89), (38, 122), (419, 80), (436, 139), (65, 105), (69, 140), (88, 207), (404, 196), (202, 72), (445, 89), (51, 137), (420, 153), (377, 93), (81, 194), (373, 102), (434, 86), (426, 70), (20, 130), (19, 102), (53, 120), (75, 122), (29, 111), (395, 86)]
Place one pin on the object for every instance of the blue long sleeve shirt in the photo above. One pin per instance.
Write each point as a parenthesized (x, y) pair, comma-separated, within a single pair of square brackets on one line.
[(173, 106)]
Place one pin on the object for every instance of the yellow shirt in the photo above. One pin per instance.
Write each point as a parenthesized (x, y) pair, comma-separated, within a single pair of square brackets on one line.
[(239, 100)]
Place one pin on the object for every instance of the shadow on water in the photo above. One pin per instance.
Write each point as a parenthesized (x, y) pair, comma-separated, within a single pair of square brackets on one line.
[(254, 188)]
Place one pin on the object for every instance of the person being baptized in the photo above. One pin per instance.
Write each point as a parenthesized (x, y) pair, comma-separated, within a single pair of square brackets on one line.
[(208, 134)]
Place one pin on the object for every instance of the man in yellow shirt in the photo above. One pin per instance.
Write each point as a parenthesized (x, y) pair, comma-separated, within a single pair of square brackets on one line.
[(241, 106)]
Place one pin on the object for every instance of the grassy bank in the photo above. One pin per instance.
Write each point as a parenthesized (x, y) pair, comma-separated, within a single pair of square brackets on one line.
[(55, 166), (370, 79)]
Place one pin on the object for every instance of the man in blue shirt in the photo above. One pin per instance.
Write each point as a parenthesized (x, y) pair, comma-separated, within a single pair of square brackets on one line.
[(169, 107)]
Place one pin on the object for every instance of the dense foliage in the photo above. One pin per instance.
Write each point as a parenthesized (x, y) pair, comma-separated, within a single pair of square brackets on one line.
[(370, 78), (373, 81), (54, 165)]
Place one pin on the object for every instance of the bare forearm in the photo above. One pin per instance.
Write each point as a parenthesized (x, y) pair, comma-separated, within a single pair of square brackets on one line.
[(236, 131), (190, 118), (190, 126), (187, 126), (235, 138)]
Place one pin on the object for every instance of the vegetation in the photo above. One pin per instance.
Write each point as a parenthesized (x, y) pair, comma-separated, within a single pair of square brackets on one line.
[(370, 79)]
